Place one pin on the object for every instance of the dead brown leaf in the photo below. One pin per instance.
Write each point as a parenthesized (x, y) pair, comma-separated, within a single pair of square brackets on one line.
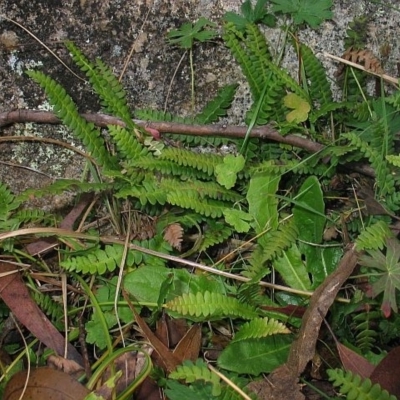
[(44, 383), (387, 372), (173, 234)]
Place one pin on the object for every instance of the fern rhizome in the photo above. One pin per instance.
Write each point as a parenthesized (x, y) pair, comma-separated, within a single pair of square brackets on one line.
[(272, 204)]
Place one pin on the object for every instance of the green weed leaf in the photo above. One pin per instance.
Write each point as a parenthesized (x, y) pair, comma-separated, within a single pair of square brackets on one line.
[(389, 279), (188, 33), (292, 269), (312, 12), (238, 219), (226, 172), (300, 107), (260, 327), (256, 356)]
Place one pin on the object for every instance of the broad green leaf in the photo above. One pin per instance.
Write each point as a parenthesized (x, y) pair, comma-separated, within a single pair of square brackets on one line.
[(321, 262), (312, 12), (238, 219), (256, 356), (148, 284), (226, 172), (263, 204), (300, 108), (292, 269), (94, 330), (308, 215)]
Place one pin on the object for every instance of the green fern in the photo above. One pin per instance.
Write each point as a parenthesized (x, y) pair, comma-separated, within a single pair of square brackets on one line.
[(190, 372), (51, 308), (216, 232), (62, 186), (217, 107), (260, 327), (354, 387), (190, 200), (210, 306), (365, 333), (8, 202), (318, 86), (127, 144), (374, 236), (67, 111), (167, 167), (200, 161), (105, 84), (250, 51)]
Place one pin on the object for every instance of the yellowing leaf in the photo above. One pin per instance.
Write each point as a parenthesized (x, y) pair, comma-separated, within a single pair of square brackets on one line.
[(300, 107)]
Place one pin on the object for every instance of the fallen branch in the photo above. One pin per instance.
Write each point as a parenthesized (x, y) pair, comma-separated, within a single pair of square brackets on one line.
[(230, 131), (103, 120)]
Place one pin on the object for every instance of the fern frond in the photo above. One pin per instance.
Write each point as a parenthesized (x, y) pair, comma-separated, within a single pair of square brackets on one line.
[(210, 306), (216, 108), (278, 240), (249, 57), (8, 202), (63, 185), (105, 84), (190, 372), (357, 388), (167, 167), (190, 200), (215, 233), (260, 327), (318, 86), (373, 237), (203, 162), (52, 309), (366, 334), (160, 116), (148, 191), (98, 261), (127, 143), (67, 111), (210, 190)]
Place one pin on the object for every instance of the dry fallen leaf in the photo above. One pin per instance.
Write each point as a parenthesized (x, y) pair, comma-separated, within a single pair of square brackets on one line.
[(44, 383), (173, 234)]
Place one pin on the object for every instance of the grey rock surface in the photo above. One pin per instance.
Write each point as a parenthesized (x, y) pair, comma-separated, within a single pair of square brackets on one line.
[(108, 29)]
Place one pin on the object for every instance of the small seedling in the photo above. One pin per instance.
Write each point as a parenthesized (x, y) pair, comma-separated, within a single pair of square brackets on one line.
[(185, 38)]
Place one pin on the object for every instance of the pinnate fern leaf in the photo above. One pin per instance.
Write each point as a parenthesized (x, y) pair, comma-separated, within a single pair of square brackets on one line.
[(190, 200), (374, 236), (98, 261), (216, 108), (260, 327), (8, 202), (105, 84), (354, 387), (210, 306), (202, 162), (319, 87), (67, 111), (127, 143), (190, 372)]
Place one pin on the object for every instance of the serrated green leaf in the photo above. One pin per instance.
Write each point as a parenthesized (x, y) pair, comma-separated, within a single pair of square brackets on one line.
[(238, 219), (300, 107), (255, 356), (226, 172), (312, 12)]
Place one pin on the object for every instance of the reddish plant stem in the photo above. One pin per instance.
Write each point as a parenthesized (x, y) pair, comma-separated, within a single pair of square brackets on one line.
[(103, 120)]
